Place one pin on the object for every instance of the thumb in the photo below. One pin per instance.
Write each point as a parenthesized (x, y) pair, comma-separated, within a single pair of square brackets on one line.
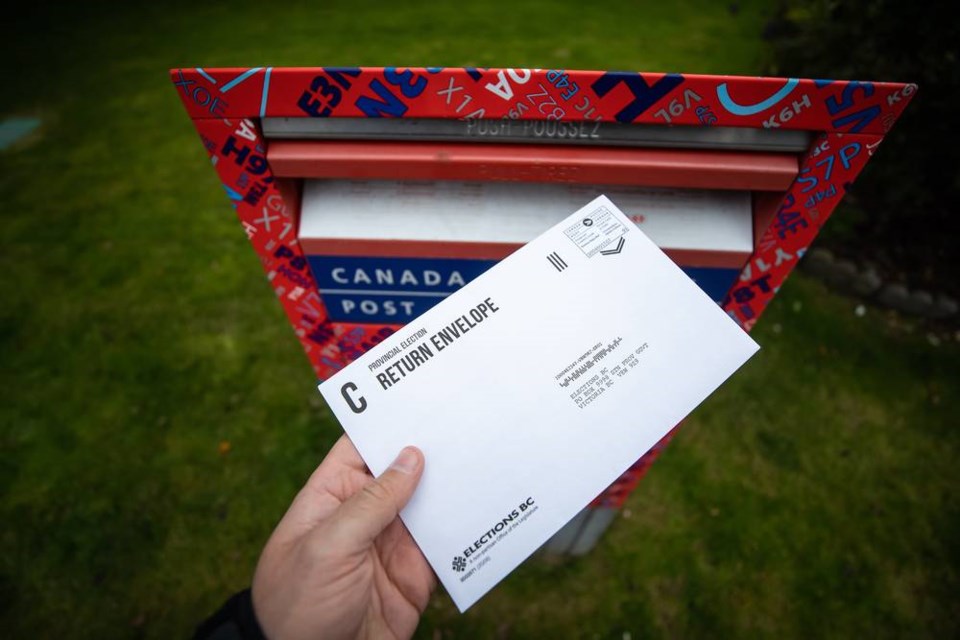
[(368, 512)]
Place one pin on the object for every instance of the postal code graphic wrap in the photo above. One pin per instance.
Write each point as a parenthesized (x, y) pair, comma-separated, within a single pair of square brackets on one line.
[(849, 118)]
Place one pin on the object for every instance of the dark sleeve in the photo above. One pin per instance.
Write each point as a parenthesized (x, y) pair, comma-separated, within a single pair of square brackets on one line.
[(234, 621)]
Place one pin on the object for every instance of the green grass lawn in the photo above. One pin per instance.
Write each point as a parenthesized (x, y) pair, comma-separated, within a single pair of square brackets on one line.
[(158, 414)]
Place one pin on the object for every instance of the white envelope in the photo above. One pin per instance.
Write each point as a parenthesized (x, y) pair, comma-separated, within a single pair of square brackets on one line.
[(532, 388)]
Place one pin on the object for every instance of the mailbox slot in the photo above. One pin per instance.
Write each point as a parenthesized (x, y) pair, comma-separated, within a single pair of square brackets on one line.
[(435, 201), (386, 251), (694, 169)]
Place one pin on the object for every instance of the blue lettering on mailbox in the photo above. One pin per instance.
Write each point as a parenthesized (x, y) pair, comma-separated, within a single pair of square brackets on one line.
[(715, 282), (396, 290), (645, 95)]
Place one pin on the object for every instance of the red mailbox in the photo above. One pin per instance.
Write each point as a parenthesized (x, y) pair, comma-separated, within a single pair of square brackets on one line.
[(370, 193)]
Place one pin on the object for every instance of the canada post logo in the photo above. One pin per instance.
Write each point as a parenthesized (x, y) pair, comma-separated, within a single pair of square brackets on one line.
[(388, 290)]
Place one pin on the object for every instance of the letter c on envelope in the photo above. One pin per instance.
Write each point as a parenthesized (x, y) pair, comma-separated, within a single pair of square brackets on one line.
[(356, 408)]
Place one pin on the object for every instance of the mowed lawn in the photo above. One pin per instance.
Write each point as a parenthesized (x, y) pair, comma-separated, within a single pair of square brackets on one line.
[(157, 413)]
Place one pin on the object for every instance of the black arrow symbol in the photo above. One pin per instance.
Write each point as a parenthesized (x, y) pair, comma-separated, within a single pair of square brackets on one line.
[(618, 249)]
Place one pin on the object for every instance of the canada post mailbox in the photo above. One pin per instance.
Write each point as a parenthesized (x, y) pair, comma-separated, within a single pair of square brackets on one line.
[(371, 193)]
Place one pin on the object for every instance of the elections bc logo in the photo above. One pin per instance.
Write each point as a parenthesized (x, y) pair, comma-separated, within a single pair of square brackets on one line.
[(491, 537)]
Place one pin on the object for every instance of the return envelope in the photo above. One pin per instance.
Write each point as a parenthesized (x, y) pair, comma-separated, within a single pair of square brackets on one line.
[(533, 387)]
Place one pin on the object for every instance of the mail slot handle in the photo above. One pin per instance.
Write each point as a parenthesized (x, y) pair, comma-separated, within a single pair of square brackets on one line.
[(533, 163)]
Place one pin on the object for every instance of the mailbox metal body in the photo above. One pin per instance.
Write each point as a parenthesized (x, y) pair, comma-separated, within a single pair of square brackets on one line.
[(671, 130)]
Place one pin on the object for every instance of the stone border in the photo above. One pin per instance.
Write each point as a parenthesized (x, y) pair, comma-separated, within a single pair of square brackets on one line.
[(864, 281)]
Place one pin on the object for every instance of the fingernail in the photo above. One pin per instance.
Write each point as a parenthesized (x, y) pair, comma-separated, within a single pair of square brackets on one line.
[(407, 461)]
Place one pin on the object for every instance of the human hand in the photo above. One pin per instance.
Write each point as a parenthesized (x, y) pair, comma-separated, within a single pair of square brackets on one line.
[(341, 564)]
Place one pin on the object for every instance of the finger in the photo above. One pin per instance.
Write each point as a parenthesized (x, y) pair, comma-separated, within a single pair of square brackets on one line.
[(368, 512), (405, 564), (339, 475), (342, 454), (342, 459)]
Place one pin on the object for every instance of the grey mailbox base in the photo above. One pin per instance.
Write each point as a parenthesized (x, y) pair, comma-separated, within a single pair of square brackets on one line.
[(581, 534)]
